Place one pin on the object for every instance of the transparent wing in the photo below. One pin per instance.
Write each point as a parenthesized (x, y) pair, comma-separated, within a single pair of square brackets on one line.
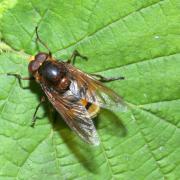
[(86, 87), (74, 114)]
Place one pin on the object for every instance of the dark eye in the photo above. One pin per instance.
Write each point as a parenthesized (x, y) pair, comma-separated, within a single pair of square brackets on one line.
[(33, 66), (36, 63), (41, 57), (50, 72)]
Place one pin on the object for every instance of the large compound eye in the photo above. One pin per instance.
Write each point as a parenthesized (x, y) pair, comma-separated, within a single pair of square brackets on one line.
[(41, 57), (37, 62), (33, 66)]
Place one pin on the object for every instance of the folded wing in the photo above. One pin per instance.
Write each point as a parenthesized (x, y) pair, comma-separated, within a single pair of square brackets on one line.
[(74, 114)]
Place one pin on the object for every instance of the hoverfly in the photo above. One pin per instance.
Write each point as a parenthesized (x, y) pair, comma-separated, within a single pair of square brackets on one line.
[(77, 96)]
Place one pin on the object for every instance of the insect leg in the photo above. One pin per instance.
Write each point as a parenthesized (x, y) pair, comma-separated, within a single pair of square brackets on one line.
[(39, 39), (105, 79), (74, 55), (38, 106), (18, 76)]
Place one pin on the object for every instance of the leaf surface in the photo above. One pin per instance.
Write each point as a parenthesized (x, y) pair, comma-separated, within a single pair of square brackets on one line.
[(139, 40)]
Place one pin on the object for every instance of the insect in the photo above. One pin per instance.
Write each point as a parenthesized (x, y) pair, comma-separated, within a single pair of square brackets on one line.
[(77, 96)]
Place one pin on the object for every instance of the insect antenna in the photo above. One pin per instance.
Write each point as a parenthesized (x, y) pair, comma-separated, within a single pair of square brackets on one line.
[(38, 39)]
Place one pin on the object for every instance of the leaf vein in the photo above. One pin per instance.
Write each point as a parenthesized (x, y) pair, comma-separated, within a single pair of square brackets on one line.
[(149, 149), (104, 27)]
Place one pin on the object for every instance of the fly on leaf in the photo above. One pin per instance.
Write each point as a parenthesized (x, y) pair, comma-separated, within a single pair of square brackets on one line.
[(76, 95)]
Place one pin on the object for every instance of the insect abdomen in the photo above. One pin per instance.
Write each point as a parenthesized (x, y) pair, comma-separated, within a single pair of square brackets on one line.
[(91, 108)]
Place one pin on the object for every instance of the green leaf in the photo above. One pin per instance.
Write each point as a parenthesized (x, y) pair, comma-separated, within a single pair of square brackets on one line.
[(139, 40)]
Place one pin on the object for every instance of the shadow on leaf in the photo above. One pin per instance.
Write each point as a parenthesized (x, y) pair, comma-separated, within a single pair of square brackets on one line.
[(84, 152), (111, 123)]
